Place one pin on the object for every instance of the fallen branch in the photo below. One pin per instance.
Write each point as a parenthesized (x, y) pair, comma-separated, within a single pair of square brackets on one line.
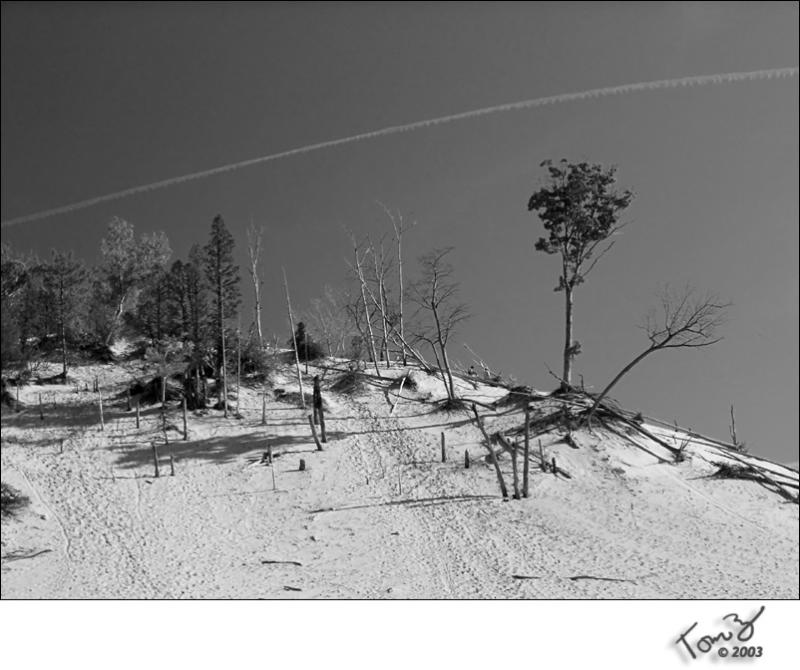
[(271, 562), (488, 442), (524, 577), (19, 557), (604, 579), (291, 588), (399, 395)]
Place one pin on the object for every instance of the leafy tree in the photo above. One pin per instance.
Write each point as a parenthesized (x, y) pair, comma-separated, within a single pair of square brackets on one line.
[(580, 209), (223, 279), (65, 284), (127, 265)]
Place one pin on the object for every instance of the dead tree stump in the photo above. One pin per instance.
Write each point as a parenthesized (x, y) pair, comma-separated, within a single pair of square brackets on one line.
[(302, 465), (323, 434), (317, 396), (553, 465), (264, 408), (466, 459), (314, 432), (171, 465), (137, 415), (444, 451), (526, 462)]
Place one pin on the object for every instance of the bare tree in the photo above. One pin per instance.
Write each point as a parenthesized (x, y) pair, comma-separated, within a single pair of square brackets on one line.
[(436, 292), (329, 316), (359, 256), (399, 227), (254, 251), (686, 320), (380, 269)]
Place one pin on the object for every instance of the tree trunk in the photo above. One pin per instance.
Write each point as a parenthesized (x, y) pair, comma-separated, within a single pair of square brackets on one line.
[(294, 340), (451, 392), (614, 381), (566, 377), (224, 376)]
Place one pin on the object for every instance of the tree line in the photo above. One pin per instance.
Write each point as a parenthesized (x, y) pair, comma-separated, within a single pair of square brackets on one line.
[(59, 306)]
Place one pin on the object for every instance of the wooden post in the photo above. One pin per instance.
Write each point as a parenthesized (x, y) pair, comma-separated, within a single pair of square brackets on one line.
[(137, 414), (302, 464), (314, 432), (155, 457), (542, 463), (444, 452), (41, 408), (264, 408), (526, 463), (553, 465), (514, 449), (100, 405), (466, 459), (96, 385), (488, 441), (171, 465), (185, 421)]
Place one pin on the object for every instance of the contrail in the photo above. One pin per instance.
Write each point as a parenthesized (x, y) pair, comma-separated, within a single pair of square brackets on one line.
[(702, 80)]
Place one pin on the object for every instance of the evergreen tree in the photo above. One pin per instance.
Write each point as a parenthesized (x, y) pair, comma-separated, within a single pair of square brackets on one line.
[(223, 279), (65, 285)]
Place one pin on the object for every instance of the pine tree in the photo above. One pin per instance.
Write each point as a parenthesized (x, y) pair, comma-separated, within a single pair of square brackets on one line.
[(580, 209), (223, 278), (65, 284)]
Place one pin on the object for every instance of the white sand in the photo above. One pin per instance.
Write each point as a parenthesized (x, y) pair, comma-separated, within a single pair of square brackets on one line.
[(374, 515)]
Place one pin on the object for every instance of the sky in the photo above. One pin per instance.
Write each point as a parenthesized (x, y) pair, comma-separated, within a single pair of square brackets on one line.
[(98, 98)]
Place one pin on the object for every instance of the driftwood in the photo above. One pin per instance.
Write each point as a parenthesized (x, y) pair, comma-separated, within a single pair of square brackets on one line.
[(759, 473)]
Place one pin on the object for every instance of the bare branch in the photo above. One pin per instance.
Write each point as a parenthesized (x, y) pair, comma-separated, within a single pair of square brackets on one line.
[(688, 321)]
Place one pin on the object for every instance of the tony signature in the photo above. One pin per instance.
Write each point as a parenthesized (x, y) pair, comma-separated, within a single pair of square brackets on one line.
[(743, 629)]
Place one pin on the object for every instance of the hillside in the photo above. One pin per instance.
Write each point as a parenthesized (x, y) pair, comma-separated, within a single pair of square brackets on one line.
[(377, 514)]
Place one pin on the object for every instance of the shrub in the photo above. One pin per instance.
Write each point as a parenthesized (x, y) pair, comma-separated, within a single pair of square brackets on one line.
[(256, 361), (11, 500)]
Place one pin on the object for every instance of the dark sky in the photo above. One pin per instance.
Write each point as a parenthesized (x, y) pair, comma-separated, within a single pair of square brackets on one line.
[(99, 98)]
